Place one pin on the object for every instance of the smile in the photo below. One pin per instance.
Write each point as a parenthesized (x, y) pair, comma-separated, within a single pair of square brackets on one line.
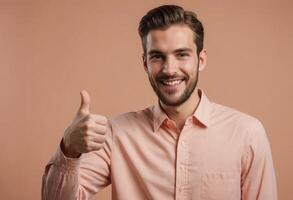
[(171, 82)]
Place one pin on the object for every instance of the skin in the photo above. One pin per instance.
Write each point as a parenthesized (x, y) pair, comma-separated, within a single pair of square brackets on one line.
[(171, 55)]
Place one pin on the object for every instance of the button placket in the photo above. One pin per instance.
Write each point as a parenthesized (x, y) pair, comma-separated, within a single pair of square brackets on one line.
[(178, 171), (181, 168), (185, 163)]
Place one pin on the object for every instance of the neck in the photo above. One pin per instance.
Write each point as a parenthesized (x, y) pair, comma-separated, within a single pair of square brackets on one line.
[(180, 113)]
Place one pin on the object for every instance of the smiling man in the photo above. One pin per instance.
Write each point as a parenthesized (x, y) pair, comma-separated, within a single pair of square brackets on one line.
[(183, 147), (172, 64)]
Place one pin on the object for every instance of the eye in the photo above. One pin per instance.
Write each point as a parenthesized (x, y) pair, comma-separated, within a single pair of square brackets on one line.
[(157, 57), (183, 55)]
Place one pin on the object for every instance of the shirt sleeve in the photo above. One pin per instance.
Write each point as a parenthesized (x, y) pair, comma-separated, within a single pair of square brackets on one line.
[(77, 178), (258, 181)]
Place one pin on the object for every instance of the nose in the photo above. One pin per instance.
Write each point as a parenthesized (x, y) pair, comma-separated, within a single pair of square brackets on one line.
[(170, 66)]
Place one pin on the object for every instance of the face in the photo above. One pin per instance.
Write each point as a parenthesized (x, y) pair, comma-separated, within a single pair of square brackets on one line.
[(172, 63)]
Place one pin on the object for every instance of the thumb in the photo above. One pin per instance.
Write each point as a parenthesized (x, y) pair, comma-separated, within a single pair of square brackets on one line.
[(85, 102)]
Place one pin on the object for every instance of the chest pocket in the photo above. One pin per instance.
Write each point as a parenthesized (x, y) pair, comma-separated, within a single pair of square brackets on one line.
[(220, 186)]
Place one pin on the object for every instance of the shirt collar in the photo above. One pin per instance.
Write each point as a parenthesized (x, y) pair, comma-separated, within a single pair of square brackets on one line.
[(201, 114), (203, 110), (159, 116)]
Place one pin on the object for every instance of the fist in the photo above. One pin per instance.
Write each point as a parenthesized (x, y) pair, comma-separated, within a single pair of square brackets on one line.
[(86, 133)]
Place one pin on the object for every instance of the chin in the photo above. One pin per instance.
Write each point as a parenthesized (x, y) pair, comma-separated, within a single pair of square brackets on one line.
[(171, 102)]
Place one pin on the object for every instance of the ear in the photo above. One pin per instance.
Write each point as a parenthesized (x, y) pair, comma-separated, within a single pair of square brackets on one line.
[(202, 59), (144, 62)]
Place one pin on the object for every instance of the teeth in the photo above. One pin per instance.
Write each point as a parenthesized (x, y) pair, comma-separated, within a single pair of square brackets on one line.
[(174, 82)]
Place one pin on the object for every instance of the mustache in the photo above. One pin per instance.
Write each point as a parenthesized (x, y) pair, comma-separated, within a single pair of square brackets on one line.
[(170, 77)]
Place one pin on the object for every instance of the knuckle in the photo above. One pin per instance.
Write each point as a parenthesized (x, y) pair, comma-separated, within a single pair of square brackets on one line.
[(101, 139), (87, 142), (102, 132), (102, 119), (104, 129)]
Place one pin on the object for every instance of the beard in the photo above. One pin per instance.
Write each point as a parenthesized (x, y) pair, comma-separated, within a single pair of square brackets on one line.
[(191, 85)]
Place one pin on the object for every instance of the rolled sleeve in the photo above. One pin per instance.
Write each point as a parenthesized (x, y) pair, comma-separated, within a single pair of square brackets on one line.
[(66, 163), (77, 178), (60, 171)]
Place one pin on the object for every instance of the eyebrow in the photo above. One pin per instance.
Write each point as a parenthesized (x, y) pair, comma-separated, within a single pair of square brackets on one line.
[(185, 49)]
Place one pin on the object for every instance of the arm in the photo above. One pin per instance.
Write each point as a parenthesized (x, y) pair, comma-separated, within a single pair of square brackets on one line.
[(77, 178), (81, 165), (258, 181)]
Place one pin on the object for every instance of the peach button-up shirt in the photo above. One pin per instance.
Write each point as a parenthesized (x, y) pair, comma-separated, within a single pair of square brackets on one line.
[(220, 154)]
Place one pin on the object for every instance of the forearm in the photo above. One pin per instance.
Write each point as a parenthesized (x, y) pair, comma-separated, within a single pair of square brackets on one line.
[(76, 178), (61, 178)]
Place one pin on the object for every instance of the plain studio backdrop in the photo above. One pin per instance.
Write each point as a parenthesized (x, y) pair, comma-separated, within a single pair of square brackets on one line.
[(50, 50)]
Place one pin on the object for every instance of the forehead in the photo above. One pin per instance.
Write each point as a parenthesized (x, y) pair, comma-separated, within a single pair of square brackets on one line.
[(175, 37)]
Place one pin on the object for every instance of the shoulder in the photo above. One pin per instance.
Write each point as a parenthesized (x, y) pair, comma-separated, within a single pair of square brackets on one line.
[(236, 118), (242, 126)]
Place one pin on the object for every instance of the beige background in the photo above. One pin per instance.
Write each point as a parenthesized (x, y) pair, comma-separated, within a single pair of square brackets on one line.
[(50, 50)]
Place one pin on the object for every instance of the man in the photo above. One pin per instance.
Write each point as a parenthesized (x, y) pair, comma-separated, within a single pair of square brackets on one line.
[(184, 147)]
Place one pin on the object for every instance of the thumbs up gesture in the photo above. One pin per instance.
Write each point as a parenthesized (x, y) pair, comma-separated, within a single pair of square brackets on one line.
[(87, 131)]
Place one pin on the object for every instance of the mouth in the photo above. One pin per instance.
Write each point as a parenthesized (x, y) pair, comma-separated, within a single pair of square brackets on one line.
[(171, 82), (172, 85)]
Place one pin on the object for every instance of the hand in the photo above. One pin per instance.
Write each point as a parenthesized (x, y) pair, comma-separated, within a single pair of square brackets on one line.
[(87, 131)]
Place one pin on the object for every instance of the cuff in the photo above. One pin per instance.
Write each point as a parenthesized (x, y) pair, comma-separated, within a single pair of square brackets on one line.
[(66, 163)]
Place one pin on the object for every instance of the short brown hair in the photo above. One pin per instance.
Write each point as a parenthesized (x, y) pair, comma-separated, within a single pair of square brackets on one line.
[(164, 16)]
